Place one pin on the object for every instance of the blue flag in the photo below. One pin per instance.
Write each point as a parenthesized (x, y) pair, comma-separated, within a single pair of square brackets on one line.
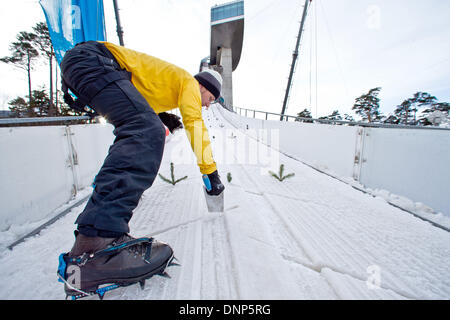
[(73, 21)]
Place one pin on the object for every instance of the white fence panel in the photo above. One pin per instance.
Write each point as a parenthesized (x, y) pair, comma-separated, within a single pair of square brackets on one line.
[(35, 173), (408, 162), (41, 168)]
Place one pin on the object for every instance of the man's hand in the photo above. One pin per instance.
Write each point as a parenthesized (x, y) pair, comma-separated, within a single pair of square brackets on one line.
[(215, 186), (171, 121)]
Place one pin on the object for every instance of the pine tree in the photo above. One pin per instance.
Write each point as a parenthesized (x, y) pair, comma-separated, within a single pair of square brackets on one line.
[(37, 106), (280, 176), (172, 175), (44, 44), (348, 117), (23, 53), (304, 114), (20, 108), (367, 105), (40, 103), (442, 106), (404, 112), (333, 116), (391, 119), (407, 110)]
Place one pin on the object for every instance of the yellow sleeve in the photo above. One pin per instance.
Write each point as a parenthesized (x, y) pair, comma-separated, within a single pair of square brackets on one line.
[(191, 111)]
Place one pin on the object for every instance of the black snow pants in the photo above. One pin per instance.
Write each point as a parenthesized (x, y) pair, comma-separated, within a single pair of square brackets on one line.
[(133, 160)]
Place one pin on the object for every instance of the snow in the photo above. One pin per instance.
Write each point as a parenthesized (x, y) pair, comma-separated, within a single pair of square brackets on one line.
[(309, 237), (408, 162)]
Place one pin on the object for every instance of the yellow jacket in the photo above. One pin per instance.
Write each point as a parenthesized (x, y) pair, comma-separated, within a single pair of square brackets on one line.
[(165, 87)]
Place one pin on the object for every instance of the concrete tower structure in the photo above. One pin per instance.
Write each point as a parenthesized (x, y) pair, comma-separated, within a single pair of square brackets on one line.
[(227, 34)]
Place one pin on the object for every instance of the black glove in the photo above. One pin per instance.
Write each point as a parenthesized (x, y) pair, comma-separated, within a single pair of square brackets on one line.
[(216, 185), (171, 121)]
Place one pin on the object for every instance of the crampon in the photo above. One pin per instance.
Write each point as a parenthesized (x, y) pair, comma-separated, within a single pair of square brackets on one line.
[(96, 273)]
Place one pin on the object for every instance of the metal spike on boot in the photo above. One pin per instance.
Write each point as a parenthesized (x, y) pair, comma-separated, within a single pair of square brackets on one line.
[(165, 275), (174, 262)]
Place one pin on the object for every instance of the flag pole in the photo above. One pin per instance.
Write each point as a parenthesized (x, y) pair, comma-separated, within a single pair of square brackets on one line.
[(119, 26)]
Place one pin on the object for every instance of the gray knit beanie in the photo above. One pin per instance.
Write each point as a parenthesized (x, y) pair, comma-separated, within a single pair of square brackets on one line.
[(211, 80)]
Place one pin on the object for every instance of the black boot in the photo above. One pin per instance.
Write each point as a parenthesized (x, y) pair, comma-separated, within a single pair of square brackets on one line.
[(96, 261)]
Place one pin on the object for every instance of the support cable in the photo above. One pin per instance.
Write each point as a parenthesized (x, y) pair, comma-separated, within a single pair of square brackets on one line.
[(294, 58)]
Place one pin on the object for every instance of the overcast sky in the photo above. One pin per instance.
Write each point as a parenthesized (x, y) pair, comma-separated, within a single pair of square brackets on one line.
[(348, 47)]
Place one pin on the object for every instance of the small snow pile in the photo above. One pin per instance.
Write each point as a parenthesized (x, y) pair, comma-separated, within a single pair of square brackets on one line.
[(418, 208)]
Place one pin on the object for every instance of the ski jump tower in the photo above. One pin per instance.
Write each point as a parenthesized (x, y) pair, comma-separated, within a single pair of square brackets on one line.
[(227, 34)]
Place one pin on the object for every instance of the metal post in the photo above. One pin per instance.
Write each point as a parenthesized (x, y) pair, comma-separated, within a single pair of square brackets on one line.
[(73, 160), (294, 59), (119, 26), (56, 89)]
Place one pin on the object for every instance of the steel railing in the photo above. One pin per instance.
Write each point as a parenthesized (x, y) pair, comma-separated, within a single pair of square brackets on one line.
[(241, 111), (252, 112), (16, 122)]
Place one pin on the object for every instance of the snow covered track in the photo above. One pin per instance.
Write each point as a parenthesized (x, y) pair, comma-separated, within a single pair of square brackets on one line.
[(308, 237)]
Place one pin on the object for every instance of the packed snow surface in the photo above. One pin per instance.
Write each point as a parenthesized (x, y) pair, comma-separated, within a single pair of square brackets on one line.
[(308, 237)]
